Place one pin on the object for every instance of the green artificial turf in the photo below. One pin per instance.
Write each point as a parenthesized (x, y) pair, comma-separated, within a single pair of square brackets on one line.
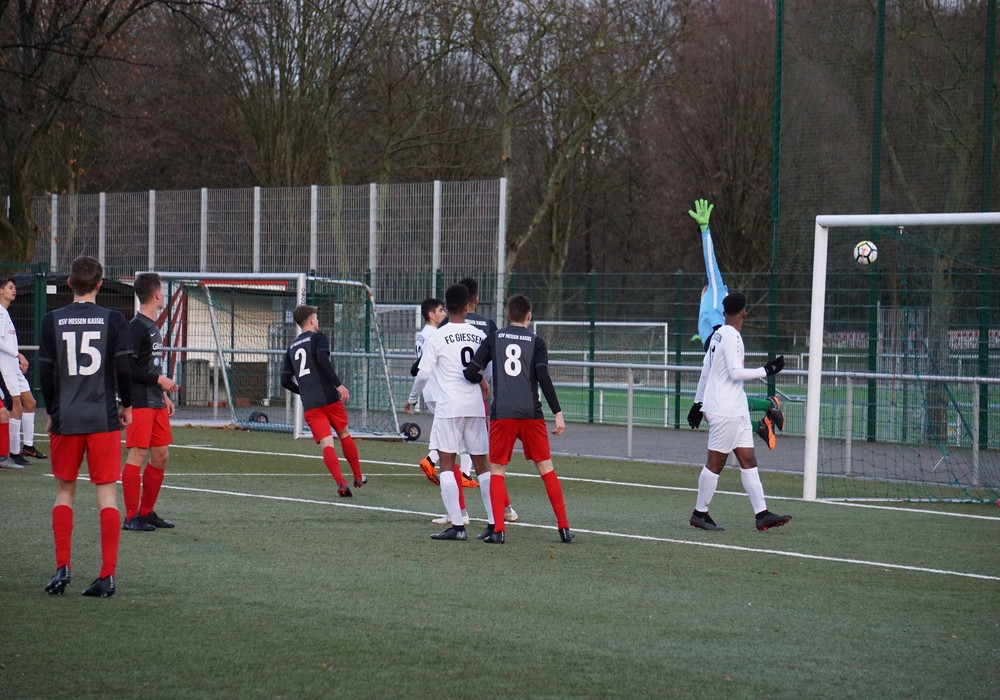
[(271, 586)]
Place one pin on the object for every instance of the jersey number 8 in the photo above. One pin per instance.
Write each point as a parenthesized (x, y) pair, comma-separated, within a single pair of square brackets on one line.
[(512, 365)]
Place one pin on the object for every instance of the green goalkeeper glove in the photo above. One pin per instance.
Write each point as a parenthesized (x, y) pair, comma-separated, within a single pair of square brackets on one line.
[(702, 211)]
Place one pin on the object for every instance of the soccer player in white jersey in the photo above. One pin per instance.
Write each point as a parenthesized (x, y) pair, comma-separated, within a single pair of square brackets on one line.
[(722, 401), (710, 317), (459, 416), (433, 313), (489, 327), (13, 365)]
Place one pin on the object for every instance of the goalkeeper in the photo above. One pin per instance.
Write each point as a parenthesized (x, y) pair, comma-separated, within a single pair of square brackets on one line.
[(710, 318)]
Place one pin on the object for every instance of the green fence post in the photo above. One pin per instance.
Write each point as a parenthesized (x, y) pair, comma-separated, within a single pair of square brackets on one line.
[(985, 282), (41, 304), (592, 338), (677, 349), (874, 276), (772, 317)]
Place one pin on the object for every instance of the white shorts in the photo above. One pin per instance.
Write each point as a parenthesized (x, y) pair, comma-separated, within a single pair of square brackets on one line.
[(726, 433), (466, 434), (15, 381)]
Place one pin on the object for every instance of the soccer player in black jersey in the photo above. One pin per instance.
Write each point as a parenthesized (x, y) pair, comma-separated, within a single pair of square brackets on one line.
[(84, 359), (520, 365), (151, 410), (308, 372)]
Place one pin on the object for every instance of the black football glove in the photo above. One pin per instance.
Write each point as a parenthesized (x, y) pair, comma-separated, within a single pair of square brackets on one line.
[(775, 365), (695, 415)]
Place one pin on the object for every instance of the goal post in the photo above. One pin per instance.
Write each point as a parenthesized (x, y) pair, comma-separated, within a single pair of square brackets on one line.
[(818, 307)]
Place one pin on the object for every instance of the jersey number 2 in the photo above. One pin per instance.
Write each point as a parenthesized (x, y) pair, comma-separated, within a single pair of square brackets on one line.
[(300, 355), (73, 365)]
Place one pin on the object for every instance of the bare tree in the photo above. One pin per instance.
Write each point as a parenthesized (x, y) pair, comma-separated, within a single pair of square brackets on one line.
[(717, 125), (559, 69), (46, 46)]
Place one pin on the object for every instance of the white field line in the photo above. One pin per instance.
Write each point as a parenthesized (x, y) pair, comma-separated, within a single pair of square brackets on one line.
[(608, 482), (647, 538)]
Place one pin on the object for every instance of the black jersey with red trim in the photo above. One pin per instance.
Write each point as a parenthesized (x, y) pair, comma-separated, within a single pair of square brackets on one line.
[(81, 347), (520, 365), (147, 362), (486, 325), (307, 370)]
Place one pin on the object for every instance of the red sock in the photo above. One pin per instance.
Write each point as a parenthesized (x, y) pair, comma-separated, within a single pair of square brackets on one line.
[(350, 450), (62, 532), (4, 439), (498, 494), (152, 480), (111, 531), (333, 464), (554, 491), (131, 486), (461, 489)]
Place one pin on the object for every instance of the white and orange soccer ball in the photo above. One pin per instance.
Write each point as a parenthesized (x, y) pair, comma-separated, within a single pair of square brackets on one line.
[(865, 253)]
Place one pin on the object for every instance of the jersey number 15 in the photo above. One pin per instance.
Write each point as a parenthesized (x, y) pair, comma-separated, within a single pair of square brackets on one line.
[(75, 355)]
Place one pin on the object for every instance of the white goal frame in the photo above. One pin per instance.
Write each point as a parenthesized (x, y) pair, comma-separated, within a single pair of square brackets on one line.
[(823, 225), (297, 278)]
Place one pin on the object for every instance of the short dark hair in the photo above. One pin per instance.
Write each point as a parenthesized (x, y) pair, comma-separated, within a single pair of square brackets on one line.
[(471, 285), (302, 313), (146, 284), (518, 308), (85, 273), (734, 303), (9, 279), (428, 305), (456, 298)]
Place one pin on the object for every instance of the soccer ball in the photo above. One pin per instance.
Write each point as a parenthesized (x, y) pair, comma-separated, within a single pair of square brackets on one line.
[(865, 253)]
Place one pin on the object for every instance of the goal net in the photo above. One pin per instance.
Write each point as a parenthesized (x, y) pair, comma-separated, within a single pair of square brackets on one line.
[(226, 336), (903, 396)]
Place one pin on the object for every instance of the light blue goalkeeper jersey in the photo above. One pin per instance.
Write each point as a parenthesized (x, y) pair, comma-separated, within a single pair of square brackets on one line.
[(710, 312)]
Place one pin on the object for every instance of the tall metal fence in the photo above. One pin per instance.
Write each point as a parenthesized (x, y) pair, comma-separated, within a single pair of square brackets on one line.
[(404, 237)]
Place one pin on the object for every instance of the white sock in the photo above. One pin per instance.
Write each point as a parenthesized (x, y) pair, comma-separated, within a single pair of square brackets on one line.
[(707, 481), (15, 435), (465, 463), (434, 456), (28, 426), (754, 489), (449, 495), (484, 491)]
